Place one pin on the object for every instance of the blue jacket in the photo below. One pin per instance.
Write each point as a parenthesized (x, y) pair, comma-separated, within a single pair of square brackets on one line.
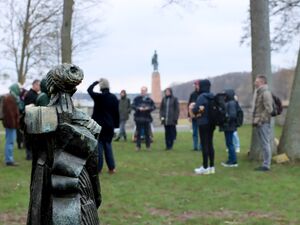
[(143, 116)]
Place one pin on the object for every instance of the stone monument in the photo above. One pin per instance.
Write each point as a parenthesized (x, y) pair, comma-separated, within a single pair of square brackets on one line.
[(65, 187), (155, 85)]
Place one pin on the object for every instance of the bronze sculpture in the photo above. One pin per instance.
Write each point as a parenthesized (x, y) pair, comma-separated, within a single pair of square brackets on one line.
[(65, 187)]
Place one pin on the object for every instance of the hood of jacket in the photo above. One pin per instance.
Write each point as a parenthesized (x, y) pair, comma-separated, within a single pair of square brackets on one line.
[(229, 94), (15, 90), (205, 86), (44, 86)]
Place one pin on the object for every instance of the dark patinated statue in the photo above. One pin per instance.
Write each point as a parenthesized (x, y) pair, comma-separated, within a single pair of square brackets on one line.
[(65, 188), (154, 61)]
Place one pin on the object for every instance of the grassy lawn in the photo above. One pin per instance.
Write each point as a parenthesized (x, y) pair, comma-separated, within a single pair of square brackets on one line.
[(159, 187)]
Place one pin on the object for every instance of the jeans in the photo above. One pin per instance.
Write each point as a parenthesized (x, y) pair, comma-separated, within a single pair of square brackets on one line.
[(108, 153), (170, 135), (230, 146), (206, 137), (143, 128), (195, 135), (264, 135), (236, 140), (122, 132), (10, 136)]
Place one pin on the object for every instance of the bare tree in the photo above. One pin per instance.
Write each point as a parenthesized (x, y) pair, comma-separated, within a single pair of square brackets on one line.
[(290, 139), (66, 40), (30, 35), (261, 56)]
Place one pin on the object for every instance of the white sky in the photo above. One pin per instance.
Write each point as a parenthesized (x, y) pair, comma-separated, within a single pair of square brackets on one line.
[(191, 43)]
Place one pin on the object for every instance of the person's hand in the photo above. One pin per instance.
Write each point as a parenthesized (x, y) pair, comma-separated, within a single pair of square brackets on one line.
[(190, 119), (191, 106), (201, 108)]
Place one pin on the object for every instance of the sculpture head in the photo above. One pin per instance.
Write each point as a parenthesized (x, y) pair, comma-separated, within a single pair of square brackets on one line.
[(64, 78)]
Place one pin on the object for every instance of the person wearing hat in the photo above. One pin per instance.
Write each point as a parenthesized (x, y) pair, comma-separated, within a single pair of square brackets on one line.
[(106, 114), (192, 117)]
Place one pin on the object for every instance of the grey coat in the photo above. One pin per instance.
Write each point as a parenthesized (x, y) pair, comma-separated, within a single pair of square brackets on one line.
[(169, 110), (124, 108)]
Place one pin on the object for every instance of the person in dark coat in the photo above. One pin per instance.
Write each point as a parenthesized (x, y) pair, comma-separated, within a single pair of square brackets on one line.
[(192, 118), (124, 112), (169, 113), (30, 99), (143, 105), (43, 98), (206, 128), (229, 127), (106, 114), (12, 106)]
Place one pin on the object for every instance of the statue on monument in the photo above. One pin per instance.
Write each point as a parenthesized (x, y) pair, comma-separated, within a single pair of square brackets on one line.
[(155, 62), (65, 187)]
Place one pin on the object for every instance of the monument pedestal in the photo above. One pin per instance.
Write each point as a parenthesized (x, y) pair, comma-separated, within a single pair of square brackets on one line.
[(156, 88)]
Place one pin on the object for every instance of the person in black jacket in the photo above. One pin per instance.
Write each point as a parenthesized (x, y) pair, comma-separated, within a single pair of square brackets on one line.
[(229, 127), (206, 128), (106, 114), (193, 98), (143, 106), (30, 99), (169, 113)]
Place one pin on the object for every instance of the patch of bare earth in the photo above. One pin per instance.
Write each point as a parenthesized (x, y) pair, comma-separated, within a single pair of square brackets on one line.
[(10, 218), (229, 217)]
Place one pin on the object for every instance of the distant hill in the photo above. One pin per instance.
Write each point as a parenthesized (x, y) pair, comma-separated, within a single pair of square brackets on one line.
[(241, 82)]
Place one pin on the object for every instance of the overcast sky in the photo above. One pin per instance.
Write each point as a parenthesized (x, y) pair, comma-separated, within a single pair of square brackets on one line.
[(192, 43)]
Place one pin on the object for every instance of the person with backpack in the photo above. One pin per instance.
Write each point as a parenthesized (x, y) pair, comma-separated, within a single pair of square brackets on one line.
[(262, 113), (124, 112), (169, 113), (206, 128), (229, 127)]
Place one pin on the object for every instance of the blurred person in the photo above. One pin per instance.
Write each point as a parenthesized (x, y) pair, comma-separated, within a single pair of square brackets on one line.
[(124, 112), (263, 107), (169, 113), (20, 133), (30, 99), (143, 105), (106, 114), (192, 118), (43, 97), (229, 127), (206, 129), (12, 106)]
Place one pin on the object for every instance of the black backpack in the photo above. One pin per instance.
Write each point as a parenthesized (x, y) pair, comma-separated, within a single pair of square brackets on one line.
[(239, 115), (277, 106), (217, 109)]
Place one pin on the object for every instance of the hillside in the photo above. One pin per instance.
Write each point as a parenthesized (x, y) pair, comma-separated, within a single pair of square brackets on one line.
[(241, 82)]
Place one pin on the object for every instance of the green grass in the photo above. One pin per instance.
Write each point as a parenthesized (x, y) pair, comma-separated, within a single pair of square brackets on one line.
[(159, 187)]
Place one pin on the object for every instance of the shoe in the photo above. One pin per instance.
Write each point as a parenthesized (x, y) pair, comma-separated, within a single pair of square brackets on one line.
[(211, 170), (12, 164), (228, 164), (201, 171), (262, 169), (237, 150), (148, 148), (137, 149), (112, 171), (226, 150)]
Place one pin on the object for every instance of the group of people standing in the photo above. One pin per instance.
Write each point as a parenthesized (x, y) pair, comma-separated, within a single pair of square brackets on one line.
[(203, 124), (111, 113), (13, 106)]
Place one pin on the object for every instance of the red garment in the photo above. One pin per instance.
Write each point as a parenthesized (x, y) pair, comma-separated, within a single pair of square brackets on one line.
[(10, 112)]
